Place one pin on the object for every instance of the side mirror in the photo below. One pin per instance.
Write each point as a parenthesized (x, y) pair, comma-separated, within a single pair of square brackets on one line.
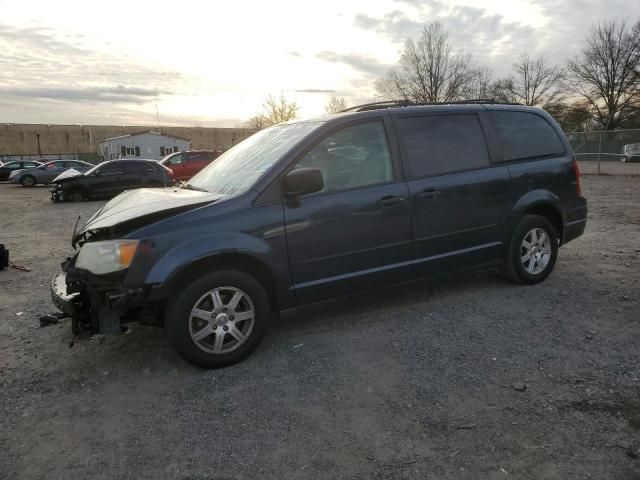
[(302, 181)]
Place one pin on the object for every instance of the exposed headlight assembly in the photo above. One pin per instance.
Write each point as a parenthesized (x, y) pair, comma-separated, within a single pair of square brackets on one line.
[(107, 256)]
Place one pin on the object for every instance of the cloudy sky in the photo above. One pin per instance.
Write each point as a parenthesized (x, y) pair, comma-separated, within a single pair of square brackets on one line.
[(212, 63)]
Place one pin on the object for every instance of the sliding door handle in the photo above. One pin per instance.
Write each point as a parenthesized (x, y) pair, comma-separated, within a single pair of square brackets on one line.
[(390, 200), (428, 194)]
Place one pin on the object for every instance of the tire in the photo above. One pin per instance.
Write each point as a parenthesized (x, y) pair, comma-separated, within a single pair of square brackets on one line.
[(76, 196), (543, 252), (194, 312), (28, 181)]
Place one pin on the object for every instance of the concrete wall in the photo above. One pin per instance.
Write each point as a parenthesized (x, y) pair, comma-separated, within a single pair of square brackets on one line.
[(22, 139)]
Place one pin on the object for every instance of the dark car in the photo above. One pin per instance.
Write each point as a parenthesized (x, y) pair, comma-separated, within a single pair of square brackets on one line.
[(308, 211), (7, 168), (185, 165), (108, 179)]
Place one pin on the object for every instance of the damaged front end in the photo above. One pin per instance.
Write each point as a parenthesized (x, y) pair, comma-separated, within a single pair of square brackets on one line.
[(95, 303), (104, 284)]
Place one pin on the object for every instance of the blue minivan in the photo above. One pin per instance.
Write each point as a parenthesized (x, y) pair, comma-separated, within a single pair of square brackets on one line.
[(313, 210)]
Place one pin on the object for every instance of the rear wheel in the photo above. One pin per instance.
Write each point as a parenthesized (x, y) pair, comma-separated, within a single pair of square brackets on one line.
[(533, 251), (28, 181), (218, 319)]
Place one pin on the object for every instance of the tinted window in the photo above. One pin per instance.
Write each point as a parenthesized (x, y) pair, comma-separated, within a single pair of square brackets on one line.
[(525, 135), (199, 157), (439, 144), (113, 167), (137, 167), (176, 160), (352, 157), (29, 164), (12, 165)]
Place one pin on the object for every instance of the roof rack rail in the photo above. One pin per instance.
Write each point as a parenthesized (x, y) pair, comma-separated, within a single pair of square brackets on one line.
[(407, 103)]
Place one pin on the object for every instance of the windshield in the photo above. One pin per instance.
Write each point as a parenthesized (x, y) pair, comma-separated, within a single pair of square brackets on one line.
[(237, 169)]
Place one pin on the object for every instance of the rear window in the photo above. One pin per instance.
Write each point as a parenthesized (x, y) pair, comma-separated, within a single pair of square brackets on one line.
[(440, 144), (525, 135)]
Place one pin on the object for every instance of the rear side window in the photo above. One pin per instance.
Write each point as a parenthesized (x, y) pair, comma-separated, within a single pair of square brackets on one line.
[(113, 167), (136, 167), (440, 144), (200, 157), (525, 135)]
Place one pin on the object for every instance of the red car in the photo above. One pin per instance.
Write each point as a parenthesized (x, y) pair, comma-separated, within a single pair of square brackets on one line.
[(185, 165)]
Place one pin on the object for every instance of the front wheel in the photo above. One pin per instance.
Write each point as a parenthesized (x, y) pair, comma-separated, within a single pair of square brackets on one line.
[(76, 196), (533, 251), (218, 319)]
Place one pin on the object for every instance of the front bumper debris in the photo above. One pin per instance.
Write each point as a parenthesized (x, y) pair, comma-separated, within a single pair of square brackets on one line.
[(57, 195), (94, 304)]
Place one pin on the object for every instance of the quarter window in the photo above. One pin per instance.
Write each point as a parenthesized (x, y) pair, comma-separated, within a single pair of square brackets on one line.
[(353, 157), (525, 135), (440, 144)]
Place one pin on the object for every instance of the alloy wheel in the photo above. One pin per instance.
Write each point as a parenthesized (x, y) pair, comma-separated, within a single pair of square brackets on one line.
[(535, 251), (221, 320)]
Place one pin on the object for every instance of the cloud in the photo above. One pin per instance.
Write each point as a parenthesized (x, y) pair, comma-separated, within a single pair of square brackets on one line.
[(361, 63), (37, 63), (314, 90), (118, 94), (493, 40)]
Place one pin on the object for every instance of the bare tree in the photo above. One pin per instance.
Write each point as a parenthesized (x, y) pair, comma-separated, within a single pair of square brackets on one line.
[(607, 73), (335, 104), (480, 84), (257, 122), (279, 110), (502, 91), (536, 82), (429, 70)]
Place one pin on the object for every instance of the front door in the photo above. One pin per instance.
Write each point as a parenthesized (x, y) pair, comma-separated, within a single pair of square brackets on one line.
[(354, 235), (459, 200)]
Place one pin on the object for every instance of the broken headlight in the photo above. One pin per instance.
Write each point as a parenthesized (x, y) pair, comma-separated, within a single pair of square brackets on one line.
[(107, 256)]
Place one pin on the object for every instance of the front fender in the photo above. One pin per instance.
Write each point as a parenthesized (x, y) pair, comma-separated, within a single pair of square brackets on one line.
[(186, 253)]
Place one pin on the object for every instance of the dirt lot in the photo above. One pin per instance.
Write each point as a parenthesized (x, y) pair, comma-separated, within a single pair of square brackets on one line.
[(414, 382)]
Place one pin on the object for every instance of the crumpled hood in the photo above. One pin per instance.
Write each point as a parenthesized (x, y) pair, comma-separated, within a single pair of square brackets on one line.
[(67, 174), (141, 202)]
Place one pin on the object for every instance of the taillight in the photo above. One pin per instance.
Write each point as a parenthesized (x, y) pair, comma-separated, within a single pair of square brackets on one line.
[(576, 171)]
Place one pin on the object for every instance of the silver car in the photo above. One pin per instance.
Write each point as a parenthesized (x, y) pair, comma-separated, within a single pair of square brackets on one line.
[(45, 173), (631, 152)]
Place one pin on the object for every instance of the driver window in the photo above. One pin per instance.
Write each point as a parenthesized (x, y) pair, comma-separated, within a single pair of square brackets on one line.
[(177, 160), (353, 157)]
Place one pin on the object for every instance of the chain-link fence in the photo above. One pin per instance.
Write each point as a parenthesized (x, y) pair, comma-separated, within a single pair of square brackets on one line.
[(614, 152)]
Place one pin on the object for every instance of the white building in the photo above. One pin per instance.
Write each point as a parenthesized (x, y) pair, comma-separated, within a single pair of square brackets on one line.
[(150, 144)]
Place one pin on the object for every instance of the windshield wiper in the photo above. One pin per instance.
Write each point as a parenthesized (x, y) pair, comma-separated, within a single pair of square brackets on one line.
[(188, 186)]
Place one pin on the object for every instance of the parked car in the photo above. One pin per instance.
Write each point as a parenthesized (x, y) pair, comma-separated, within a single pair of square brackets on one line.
[(631, 152), (108, 179), (186, 164), (7, 168), (45, 173), (309, 211)]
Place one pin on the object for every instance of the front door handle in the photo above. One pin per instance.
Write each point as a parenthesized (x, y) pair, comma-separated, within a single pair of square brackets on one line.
[(428, 194), (388, 200)]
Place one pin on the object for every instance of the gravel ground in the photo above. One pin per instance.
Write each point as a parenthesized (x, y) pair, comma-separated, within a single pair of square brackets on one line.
[(415, 382)]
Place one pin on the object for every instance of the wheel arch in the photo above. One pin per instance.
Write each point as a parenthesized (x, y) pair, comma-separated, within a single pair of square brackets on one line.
[(227, 260), (538, 202)]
